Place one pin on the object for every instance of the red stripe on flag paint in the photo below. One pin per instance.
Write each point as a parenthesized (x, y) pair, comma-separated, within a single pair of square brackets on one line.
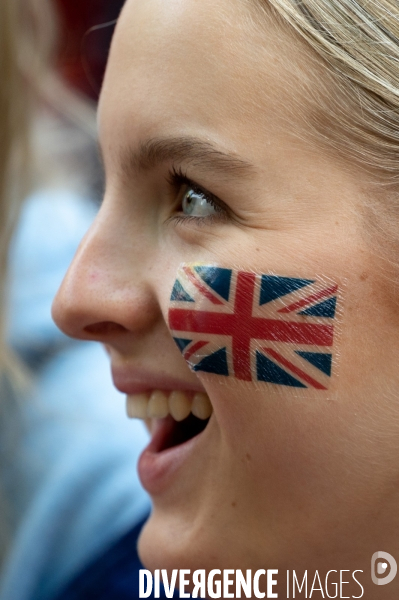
[(273, 330), (241, 341), (286, 363), (201, 287), (194, 348), (302, 303)]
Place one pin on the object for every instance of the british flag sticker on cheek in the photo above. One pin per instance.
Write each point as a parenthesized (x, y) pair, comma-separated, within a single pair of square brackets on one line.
[(256, 327)]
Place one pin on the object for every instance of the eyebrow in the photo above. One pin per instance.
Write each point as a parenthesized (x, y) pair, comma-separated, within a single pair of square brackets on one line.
[(193, 151)]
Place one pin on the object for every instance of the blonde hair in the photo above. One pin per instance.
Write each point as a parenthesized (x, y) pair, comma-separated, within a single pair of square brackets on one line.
[(26, 46), (358, 42), (353, 107), (14, 120), (28, 31), (14, 124)]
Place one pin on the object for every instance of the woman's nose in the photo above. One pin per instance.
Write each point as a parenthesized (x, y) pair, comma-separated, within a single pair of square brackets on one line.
[(105, 292)]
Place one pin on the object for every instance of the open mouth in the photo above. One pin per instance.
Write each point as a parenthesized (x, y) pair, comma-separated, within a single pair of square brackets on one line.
[(170, 433), (174, 417)]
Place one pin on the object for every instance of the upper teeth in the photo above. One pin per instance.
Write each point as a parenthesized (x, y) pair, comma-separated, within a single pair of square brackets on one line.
[(159, 404)]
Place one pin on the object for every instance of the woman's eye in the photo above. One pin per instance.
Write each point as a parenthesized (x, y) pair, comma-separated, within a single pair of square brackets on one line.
[(193, 201), (196, 203)]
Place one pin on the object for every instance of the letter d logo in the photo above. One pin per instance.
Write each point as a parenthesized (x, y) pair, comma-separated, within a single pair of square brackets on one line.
[(379, 568)]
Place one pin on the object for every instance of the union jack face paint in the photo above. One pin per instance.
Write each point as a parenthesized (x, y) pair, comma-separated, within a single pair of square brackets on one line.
[(255, 327)]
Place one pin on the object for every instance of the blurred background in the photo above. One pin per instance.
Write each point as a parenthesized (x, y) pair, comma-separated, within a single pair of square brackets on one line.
[(85, 36), (71, 505)]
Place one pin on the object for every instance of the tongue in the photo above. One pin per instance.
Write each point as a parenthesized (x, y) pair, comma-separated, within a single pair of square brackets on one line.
[(178, 433)]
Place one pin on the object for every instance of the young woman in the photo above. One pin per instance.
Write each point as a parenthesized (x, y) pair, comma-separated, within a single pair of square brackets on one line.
[(251, 151)]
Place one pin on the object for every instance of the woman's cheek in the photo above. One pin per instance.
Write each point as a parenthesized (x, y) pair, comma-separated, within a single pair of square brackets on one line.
[(257, 331)]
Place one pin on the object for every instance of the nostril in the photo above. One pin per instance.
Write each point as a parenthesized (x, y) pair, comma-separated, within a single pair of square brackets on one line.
[(104, 328)]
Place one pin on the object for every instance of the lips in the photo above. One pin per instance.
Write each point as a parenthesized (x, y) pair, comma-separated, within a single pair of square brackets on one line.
[(171, 452), (135, 381), (177, 414)]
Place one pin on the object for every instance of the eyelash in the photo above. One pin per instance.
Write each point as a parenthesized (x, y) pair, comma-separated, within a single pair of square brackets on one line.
[(176, 179)]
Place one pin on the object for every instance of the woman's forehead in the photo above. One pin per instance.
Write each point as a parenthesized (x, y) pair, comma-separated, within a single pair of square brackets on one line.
[(193, 64)]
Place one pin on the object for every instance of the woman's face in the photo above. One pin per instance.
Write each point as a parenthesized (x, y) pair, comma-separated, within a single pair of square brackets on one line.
[(198, 128)]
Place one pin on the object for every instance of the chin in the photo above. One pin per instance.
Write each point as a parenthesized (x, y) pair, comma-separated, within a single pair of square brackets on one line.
[(166, 542), (176, 541)]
